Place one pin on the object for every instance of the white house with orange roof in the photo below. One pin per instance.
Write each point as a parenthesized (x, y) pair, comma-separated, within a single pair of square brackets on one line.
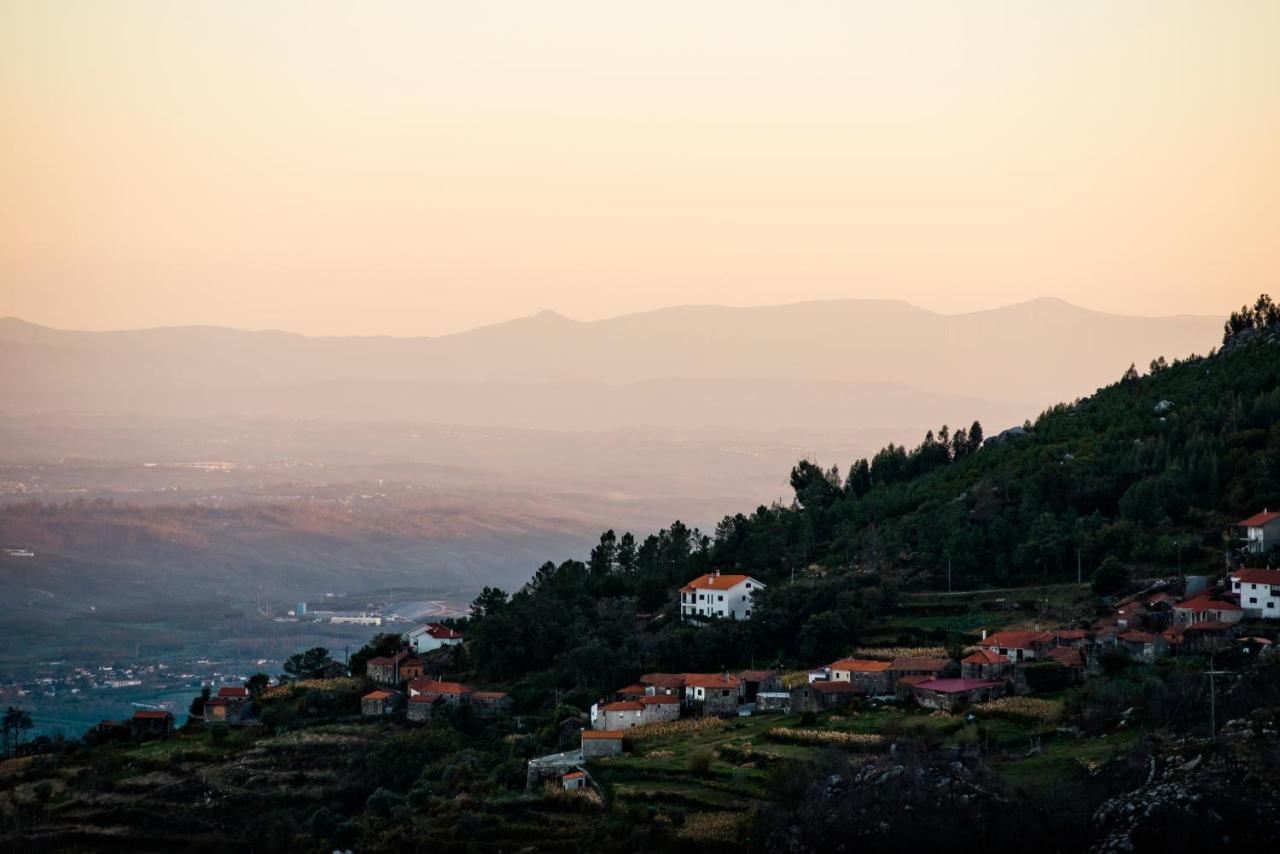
[(716, 595), (1259, 591), (1261, 531)]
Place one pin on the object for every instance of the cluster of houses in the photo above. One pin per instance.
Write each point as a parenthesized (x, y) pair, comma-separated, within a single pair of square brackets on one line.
[(408, 689)]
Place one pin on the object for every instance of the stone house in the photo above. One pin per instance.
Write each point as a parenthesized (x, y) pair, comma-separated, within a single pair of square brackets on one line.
[(952, 694), (150, 723), (394, 669), (1204, 608), (600, 743), (872, 677), (491, 704), (984, 664), (823, 695), (664, 683), (1143, 646), (755, 681), (1018, 645), (422, 708), (453, 693), (934, 668), (619, 715), (719, 693), (377, 704)]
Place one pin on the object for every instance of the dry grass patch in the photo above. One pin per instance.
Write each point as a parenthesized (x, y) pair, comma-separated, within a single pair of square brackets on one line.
[(824, 737), (1045, 711)]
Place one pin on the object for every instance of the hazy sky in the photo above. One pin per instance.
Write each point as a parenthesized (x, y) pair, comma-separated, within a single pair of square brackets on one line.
[(419, 167)]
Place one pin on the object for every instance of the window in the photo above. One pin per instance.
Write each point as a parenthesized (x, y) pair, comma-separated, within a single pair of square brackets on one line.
[(1253, 600), (720, 598), (748, 585), (746, 613)]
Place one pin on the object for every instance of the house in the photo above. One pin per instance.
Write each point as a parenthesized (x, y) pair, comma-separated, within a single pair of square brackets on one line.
[(984, 664), (1131, 615), (573, 781), (663, 683), (871, 676), (1261, 532), (151, 723), (1209, 634), (111, 731), (377, 704), (430, 636), (452, 693), (331, 670), (660, 707), (597, 743), (755, 681), (422, 708), (934, 668), (1205, 608), (631, 692), (1259, 591), (952, 694), (1070, 637), (491, 704), (235, 693), (623, 714), (1018, 645), (1143, 646), (719, 693), (716, 595), (904, 687), (1068, 656), (220, 710), (394, 669), (824, 695)]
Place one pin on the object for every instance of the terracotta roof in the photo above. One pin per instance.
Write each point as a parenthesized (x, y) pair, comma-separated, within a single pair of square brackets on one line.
[(1070, 634), (932, 664), (1258, 576), (233, 692), (956, 686), (1257, 520), (380, 659), (1206, 603), (756, 675), (152, 714), (602, 733), (1210, 626), (861, 665), (663, 680), (623, 706), (217, 701), (985, 656), (1136, 636), (710, 581), (377, 695), (711, 680), (827, 686), (915, 680), (1016, 639), (438, 631), (1070, 656), (488, 695), (636, 688), (431, 686), (1160, 598), (660, 700), (574, 775)]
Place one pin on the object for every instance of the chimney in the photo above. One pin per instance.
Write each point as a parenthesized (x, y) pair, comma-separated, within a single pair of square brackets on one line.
[(984, 634)]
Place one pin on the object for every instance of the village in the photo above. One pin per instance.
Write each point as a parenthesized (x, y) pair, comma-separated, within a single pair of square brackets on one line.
[(1197, 616)]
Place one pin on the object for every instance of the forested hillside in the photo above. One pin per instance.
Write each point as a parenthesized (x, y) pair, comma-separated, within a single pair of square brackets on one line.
[(1146, 475)]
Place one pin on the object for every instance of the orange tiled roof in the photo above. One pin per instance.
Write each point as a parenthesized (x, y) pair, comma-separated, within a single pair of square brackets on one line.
[(602, 733), (1258, 576), (985, 656), (1016, 639), (711, 581), (623, 706), (711, 680), (861, 665)]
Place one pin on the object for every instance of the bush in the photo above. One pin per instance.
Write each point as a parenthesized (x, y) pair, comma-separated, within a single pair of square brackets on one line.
[(1047, 676), (808, 718), (700, 762), (1111, 577)]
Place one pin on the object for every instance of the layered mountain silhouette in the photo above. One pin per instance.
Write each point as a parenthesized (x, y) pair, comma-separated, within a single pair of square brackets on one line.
[(818, 365)]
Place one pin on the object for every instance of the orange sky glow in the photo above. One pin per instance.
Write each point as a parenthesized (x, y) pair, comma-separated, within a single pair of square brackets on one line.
[(422, 167)]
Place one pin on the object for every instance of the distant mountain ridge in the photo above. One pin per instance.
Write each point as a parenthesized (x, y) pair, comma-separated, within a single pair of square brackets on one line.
[(820, 355)]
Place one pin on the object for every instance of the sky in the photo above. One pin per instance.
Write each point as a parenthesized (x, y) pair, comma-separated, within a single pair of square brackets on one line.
[(408, 168)]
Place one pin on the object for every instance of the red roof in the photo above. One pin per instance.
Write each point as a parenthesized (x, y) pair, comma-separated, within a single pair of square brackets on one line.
[(711, 680), (1257, 520), (441, 632), (664, 680), (860, 665), (828, 686), (1135, 636), (660, 700), (152, 714), (1016, 639), (1070, 656), (488, 695), (602, 733), (915, 680), (985, 656), (574, 775), (1210, 626), (956, 686), (712, 581), (1257, 576), (431, 686), (233, 692), (1205, 603), (623, 706), (1070, 634), (930, 664), (637, 688), (377, 695)]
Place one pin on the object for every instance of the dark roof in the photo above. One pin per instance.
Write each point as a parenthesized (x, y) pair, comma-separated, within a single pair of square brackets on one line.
[(827, 686), (956, 686)]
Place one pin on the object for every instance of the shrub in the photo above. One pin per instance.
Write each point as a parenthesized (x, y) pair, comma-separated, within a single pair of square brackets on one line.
[(1047, 676), (700, 761)]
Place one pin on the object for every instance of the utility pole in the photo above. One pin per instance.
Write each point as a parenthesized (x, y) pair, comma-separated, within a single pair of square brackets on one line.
[(948, 573), (1079, 568), (1213, 704)]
